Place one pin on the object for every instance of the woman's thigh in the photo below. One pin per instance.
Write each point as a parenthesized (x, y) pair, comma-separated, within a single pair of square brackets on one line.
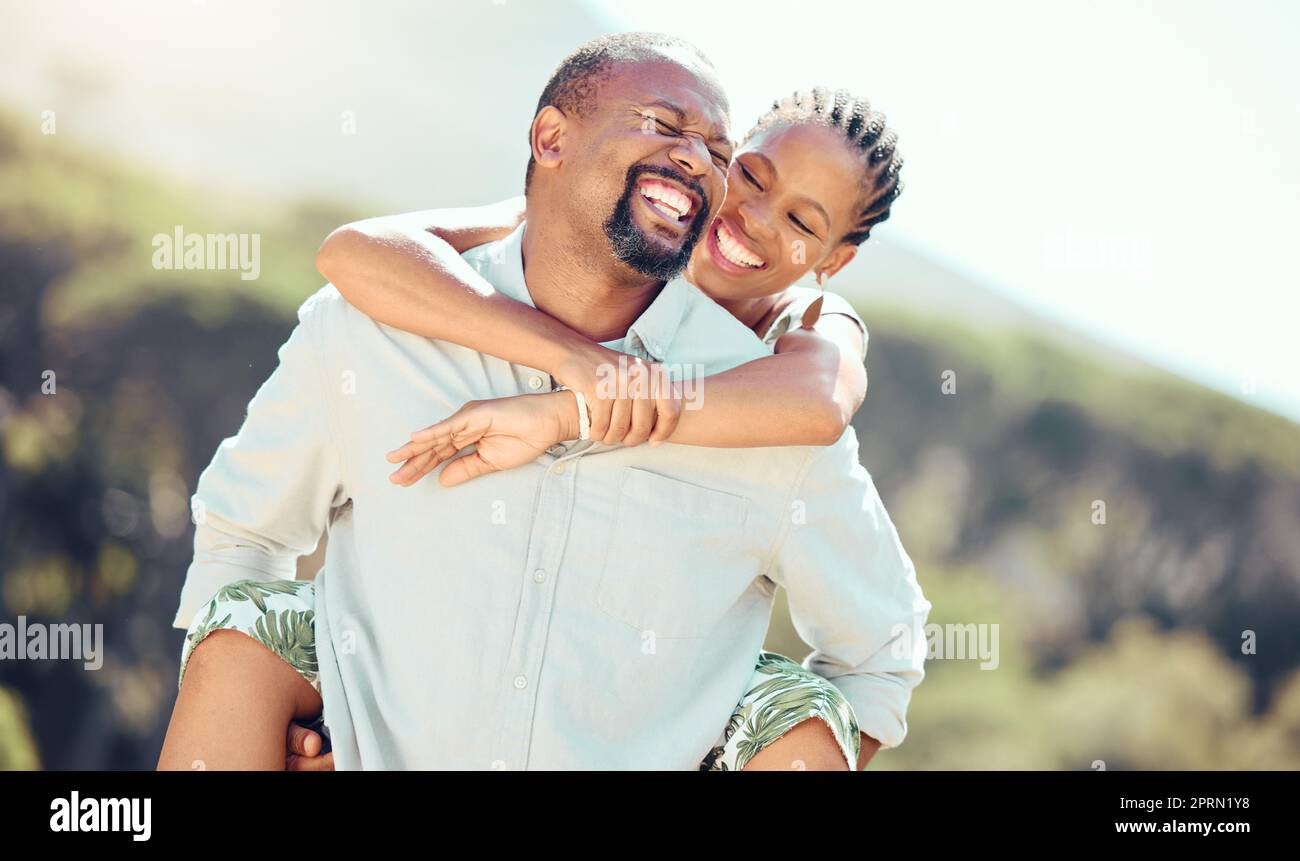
[(248, 667), (788, 719)]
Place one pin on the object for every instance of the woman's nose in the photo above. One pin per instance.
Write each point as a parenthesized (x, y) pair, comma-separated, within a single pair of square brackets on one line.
[(755, 218)]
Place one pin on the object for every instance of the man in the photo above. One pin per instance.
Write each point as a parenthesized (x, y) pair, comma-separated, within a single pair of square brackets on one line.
[(600, 607)]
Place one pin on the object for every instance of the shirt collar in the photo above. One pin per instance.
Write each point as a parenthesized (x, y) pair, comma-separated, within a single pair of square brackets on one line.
[(650, 335), (506, 259)]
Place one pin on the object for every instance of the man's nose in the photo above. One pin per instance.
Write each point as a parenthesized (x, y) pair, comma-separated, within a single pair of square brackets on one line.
[(691, 154)]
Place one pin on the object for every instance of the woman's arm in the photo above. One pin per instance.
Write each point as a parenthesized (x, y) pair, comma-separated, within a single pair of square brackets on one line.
[(512, 431), (515, 430), (805, 394), (406, 271)]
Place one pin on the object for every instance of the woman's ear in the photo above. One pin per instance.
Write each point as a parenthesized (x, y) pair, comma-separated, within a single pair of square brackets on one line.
[(547, 136), (836, 260)]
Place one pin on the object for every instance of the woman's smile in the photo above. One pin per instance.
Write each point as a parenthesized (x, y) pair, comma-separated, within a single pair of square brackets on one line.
[(731, 249)]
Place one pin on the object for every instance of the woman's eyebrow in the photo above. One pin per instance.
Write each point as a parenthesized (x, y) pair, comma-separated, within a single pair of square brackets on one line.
[(767, 164), (817, 206)]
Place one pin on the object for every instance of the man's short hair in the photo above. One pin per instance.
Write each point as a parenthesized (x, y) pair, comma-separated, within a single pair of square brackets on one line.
[(574, 85)]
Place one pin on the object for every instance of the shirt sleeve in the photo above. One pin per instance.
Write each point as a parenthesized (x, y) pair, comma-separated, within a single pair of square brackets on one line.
[(792, 315), (853, 592), (265, 498)]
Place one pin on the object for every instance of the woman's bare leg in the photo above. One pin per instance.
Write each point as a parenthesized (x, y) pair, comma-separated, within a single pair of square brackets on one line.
[(807, 746), (234, 707)]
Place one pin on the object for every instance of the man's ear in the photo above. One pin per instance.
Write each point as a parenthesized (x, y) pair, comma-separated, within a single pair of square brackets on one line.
[(547, 136), (837, 259)]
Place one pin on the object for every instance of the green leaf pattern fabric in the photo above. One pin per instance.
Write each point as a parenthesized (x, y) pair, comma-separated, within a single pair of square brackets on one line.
[(782, 694), (279, 614)]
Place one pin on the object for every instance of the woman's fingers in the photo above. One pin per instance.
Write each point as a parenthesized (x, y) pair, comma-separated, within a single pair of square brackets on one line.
[(667, 415), (598, 413), (294, 762), (463, 469), (434, 432), (437, 443), (644, 411), (643, 392), (461, 428), (619, 421), (303, 741), (408, 451), (304, 748), (416, 468)]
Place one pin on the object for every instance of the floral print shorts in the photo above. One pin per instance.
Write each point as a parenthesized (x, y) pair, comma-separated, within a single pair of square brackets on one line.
[(281, 615)]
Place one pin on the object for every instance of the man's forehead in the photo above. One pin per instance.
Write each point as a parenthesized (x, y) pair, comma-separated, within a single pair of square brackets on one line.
[(675, 83)]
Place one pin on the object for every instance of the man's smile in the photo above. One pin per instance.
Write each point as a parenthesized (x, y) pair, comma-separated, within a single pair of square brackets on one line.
[(674, 205)]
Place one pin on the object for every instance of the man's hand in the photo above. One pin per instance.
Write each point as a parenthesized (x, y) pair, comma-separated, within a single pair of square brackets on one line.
[(506, 432), (302, 751)]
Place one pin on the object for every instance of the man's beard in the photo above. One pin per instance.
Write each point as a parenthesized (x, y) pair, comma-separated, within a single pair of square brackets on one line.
[(639, 251)]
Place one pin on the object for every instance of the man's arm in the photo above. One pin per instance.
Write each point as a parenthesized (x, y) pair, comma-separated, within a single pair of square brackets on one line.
[(265, 498), (853, 593)]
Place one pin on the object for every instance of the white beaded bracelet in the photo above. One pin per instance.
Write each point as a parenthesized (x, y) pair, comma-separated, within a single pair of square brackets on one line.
[(584, 418)]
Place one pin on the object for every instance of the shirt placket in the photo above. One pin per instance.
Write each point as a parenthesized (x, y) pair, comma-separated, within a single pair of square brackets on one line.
[(549, 535), (549, 532), (547, 538)]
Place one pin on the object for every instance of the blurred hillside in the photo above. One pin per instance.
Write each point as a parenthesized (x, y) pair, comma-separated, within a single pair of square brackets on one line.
[(1120, 642)]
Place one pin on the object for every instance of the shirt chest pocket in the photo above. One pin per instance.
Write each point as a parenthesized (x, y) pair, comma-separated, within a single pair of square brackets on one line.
[(675, 562)]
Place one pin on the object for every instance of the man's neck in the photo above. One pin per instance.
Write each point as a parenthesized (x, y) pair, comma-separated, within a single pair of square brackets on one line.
[(593, 298)]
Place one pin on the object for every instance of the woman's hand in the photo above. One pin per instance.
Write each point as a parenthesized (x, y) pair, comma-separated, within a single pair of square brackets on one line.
[(629, 400), (507, 432)]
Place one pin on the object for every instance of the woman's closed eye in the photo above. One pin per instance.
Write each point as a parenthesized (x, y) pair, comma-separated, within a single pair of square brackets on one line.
[(749, 177), (801, 226)]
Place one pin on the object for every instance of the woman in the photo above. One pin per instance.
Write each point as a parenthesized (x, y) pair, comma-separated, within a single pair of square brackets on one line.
[(806, 186)]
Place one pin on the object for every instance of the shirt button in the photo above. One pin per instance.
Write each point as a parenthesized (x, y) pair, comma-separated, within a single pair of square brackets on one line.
[(534, 382), (539, 575), (521, 682), (558, 469)]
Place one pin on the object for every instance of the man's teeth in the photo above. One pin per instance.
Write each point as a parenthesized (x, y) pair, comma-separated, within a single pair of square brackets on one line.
[(666, 199), (666, 210), (734, 251)]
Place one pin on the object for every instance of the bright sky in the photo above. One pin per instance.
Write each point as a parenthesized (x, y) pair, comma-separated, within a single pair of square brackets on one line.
[(1131, 168)]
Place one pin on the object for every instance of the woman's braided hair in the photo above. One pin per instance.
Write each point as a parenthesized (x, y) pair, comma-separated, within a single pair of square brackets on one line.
[(864, 130)]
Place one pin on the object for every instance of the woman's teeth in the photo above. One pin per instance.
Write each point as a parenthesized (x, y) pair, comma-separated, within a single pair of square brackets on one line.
[(666, 199), (734, 251)]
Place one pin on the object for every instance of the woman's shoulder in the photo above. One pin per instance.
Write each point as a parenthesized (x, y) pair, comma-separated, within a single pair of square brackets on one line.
[(795, 299)]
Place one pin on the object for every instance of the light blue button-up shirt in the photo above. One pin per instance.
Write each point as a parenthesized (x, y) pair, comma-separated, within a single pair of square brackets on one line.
[(601, 607)]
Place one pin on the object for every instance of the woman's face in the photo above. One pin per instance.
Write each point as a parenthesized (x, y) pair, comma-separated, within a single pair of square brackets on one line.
[(792, 192)]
